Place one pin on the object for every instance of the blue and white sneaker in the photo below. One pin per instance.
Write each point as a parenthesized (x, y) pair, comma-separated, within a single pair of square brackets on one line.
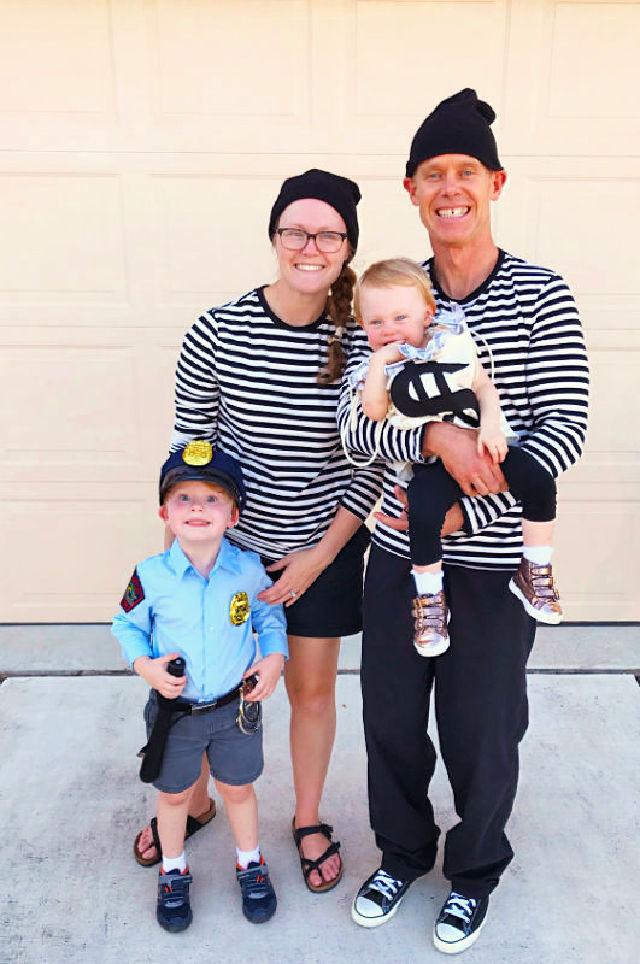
[(459, 923), (174, 910), (259, 900), (378, 899)]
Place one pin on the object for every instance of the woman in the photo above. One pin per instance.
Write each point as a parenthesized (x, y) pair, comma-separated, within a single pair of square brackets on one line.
[(261, 377)]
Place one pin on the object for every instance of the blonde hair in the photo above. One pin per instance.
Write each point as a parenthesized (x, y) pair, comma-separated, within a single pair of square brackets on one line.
[(390, 273)]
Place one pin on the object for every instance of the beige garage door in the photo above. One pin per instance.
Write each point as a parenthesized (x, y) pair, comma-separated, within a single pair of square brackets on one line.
[(143, 142)]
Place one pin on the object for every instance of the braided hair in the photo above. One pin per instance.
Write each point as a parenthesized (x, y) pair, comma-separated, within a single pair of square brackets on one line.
[(338, 309)]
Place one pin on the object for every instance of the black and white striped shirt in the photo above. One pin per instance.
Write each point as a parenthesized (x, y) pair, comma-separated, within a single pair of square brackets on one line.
[(247, 382), (527, 317)]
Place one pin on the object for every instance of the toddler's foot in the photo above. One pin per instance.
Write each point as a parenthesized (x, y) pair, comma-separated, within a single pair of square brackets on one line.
[(258, 896), (534, 587), (174, 910), (430, 617)]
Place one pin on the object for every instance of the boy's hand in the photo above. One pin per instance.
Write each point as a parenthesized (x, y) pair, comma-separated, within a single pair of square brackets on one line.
[(154, 672), (268, 671), (491, 438)]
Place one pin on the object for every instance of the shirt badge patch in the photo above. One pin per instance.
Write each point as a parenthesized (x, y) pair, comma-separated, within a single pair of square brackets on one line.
[(239, 608), (198, 453), (133, 594)]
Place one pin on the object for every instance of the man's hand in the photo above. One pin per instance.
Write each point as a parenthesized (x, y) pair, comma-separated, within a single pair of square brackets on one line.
[(453, 521), (154, 672), (457, 448), (268, 671)]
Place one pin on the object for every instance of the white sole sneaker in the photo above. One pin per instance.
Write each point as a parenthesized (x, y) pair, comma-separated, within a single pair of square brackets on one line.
[(551, 619), (429, 651), (459, 946), (374, 921)]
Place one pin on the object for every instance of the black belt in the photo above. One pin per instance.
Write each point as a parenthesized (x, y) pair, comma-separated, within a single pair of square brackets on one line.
[(185, 706), (153, 752)]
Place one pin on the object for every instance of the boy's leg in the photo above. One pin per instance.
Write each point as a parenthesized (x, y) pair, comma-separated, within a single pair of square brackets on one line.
[(172, 821), (242, 812)]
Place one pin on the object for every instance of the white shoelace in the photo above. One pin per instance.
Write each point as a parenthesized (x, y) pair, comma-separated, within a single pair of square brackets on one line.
[(459, 906), (388, 886)]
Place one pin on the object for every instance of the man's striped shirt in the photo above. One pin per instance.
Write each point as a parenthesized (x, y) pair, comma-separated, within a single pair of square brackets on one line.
[(247, 382), (525, 324)]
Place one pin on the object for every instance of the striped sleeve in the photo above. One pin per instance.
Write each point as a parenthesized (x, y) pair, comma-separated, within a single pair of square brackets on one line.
[(557, 380), (196, 396)]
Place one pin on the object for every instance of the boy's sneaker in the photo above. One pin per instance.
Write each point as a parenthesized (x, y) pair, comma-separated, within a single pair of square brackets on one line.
[(534, 587), (174, 911), (259, 900), (459, 922), (378, 899), (430, 618)]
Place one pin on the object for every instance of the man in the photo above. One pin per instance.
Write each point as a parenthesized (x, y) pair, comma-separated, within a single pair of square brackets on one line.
[(528, 336)]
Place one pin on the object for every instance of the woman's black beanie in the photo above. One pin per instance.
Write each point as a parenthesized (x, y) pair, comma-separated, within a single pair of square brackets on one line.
[(341, 193), (461, 124)]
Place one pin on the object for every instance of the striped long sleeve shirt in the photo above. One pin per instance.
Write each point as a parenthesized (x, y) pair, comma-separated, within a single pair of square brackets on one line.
[(527, 331), (247, 382)]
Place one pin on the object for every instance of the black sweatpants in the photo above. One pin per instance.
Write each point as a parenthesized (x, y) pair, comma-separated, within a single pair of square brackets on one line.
[(481, 711), (432, 492)]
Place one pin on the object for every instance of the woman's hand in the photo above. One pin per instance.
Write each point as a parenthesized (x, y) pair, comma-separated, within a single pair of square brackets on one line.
[(298, 571), (268, 671), (154, 672)]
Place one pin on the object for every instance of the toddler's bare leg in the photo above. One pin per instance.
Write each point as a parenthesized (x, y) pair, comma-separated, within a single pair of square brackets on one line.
[(172, 821), (537, 533), (242, 810)]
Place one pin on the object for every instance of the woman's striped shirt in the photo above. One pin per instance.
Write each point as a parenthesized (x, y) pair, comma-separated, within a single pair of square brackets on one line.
[(248, 382), (524, 319)]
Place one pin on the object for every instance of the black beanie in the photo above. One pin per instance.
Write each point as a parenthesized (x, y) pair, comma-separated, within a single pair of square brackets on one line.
[(461, 124), (341, 193)]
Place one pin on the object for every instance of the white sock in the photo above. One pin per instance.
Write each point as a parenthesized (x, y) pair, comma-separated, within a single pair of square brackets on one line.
[(538, 555), (174, 863), (246, 857), (427, 583)]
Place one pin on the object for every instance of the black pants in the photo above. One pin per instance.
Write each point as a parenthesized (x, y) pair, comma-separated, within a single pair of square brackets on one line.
[(481, 711), (432, 491)]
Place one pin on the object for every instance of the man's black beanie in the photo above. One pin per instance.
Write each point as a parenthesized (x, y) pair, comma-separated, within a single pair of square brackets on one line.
[(461, 124), (341, 193)]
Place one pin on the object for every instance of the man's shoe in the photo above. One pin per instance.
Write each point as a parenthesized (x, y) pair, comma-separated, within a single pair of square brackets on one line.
[(534, 587), (259, 900), (459, 922), (430, 618), (378, 899), (174, 911)]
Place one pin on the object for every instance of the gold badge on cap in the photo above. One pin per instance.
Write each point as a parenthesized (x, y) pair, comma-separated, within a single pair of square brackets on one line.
[(239, 608), (198, 453)]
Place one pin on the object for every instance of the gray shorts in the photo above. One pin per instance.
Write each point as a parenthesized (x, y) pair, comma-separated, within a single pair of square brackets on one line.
[(234, 757)]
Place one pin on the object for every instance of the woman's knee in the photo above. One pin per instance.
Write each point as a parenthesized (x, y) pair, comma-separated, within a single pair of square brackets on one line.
[(312, 698)]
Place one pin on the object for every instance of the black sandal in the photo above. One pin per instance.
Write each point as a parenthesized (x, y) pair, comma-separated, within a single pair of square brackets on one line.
[(193, 825), (308, 866)]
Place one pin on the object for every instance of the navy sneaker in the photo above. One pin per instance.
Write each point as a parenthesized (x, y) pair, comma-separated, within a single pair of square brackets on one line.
[(259, 900), (459, 922), (174, 911), (378, 899)]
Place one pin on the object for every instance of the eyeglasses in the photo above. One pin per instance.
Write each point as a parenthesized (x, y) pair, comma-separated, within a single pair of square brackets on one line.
[(295, 239)]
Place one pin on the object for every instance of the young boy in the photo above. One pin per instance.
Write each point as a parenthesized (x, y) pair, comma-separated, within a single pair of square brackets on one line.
[(198, 601), (428, 370)]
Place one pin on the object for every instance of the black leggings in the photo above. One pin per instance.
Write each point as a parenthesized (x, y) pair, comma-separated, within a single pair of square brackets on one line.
[(432, 492)]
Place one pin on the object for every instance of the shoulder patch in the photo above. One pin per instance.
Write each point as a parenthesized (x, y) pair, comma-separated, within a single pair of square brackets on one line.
[(133, 594)]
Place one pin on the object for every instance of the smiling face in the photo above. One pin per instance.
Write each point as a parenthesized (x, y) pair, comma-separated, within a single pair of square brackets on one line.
[(397, 313), (199, 512), (309, 271), (453, 193)]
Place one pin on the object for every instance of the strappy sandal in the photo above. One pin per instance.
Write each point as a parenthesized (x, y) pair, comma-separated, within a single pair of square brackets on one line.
[(308, 866), (193, 825)]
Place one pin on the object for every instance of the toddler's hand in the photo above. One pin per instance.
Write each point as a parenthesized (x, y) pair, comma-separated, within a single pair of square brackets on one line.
[(268, 671), (492, 439), (389, 353), (154, 672)]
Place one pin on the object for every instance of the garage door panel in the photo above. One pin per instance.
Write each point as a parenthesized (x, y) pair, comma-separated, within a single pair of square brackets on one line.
[(85, 549), (66, 239), (571, 78), (593, 530)]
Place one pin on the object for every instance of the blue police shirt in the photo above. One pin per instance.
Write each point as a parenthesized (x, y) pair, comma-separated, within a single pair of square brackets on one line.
[(210, 622)]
